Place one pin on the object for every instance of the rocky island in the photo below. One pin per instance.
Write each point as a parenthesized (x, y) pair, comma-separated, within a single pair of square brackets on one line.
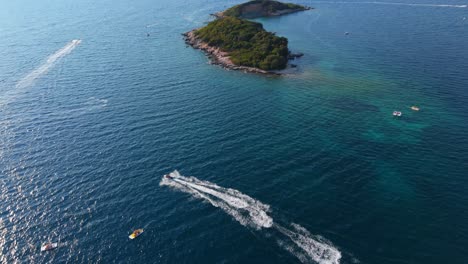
[(261, 8), (239, 44)]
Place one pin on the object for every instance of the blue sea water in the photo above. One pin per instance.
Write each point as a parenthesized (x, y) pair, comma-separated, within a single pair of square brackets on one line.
[(87, 129)]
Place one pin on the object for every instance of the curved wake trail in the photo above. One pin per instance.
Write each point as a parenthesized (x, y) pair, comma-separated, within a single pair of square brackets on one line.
[(253, 213), (392, 3)]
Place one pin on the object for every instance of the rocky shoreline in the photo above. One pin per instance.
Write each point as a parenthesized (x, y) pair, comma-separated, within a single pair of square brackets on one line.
[(219, 57)]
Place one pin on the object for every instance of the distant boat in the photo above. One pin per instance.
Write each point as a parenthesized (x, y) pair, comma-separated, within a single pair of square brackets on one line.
[(415, 108), (397, 113), (49, 246), (346, 33)]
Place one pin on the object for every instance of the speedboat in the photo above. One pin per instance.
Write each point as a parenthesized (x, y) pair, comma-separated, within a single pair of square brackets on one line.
[(397, 113), (49, 246), (135, 234), (415, 108), (168, 176)]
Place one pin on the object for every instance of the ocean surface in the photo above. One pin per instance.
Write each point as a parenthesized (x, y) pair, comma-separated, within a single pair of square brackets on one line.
[(308, 167)]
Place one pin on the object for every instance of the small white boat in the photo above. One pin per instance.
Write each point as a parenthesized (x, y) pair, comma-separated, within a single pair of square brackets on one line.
[(49, 246), (397, 113)]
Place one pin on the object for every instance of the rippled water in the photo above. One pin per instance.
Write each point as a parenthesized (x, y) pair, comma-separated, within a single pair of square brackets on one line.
[(89, 127)]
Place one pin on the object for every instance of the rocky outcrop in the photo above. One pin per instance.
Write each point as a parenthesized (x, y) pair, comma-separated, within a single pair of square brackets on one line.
[(292, 56)]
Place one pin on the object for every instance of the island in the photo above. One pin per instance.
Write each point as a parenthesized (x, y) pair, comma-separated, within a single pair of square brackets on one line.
[(261, 8), (239, 44)]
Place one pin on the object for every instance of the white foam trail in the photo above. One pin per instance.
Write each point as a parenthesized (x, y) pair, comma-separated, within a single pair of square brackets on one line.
[(392, 3), (29, 79), (243, 208), (153, 25), (96, 103), (252, 213), (307, 246)]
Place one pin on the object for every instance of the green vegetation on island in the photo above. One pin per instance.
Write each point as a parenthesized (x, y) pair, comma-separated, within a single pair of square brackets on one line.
[(239, 44), (262, 8), (247, 43)]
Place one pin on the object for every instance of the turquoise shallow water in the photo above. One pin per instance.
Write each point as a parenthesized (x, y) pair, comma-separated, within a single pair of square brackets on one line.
[(88, 129)]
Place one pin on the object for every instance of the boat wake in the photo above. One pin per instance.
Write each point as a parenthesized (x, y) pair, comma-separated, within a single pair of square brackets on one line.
[(252, 213), (29, 79), (153, 24), (392, 3)]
